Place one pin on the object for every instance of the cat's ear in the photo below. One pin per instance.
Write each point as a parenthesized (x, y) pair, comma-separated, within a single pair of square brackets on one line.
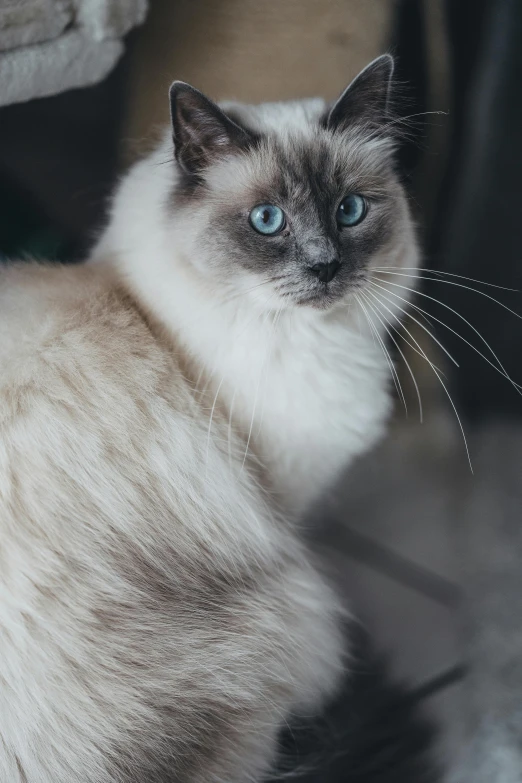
[(366, 98), (201, 131)]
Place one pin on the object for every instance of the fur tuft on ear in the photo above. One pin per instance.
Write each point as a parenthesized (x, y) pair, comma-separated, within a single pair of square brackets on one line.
[(365, 100), (201, 131)]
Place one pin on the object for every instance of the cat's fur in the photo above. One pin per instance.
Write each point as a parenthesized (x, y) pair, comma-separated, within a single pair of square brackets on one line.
[(166, 414)]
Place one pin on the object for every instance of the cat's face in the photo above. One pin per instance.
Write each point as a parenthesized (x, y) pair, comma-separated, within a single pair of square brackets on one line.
[(292, 204)]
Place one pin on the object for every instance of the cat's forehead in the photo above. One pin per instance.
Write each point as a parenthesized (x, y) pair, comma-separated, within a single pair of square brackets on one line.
[(292, 160)]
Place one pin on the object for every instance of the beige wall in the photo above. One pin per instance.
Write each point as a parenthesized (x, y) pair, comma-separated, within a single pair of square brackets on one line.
[(252, 50)]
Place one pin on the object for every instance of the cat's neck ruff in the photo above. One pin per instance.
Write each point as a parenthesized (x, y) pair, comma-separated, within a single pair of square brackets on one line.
[(308, 388)]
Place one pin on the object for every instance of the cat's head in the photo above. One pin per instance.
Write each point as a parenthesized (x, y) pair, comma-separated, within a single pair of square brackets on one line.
[(292, 204)]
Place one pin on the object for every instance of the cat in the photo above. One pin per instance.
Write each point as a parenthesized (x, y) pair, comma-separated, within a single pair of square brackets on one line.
[(168, 412)]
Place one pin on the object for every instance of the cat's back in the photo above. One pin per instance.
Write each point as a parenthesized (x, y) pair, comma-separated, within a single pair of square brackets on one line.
[(152, 609), (54, 317), (38, 300), (73, 343), (85, 388)]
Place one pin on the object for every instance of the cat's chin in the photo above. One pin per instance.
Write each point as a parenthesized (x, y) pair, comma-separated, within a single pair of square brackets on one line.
[(323, 299), (318, 302)]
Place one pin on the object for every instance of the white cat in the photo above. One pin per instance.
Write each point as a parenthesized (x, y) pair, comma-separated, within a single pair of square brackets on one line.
[(167, 412)]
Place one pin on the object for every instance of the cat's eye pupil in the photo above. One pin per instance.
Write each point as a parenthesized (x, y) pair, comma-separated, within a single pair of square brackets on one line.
[(267, 219), (352, 210)]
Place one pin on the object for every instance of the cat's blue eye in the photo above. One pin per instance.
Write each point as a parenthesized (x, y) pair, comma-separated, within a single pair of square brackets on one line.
[(267, 219), (352, 210)]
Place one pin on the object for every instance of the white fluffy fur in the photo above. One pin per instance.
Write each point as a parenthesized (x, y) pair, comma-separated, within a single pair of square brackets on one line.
[(107, 473), (125, 505), (311, 387)]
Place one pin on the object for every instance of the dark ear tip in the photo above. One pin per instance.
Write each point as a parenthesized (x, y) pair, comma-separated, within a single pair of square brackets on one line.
[(178, 87), (385, 62)]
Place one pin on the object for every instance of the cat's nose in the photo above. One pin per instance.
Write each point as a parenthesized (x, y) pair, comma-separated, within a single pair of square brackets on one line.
[(326, 270)]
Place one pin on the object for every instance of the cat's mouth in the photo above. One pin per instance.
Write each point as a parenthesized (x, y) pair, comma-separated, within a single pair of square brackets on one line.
[(320, 299), (328, 294)]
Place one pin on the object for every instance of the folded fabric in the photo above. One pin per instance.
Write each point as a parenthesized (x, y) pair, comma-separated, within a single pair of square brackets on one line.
[(48, 46)]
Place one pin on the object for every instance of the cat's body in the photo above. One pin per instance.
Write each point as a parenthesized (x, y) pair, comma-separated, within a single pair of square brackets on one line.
[(150, 618), (160, 617)]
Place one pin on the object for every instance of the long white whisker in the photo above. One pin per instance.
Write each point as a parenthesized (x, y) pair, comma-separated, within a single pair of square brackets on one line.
[(397, 330), (375, 334), (419, 324), (500, 369), (255, 400), (211, 417), (267, 364), (440, 272), (393, 371), (460, 285), (443, 386), (425, 318), (229, 429), (375, 310), (403, 120)]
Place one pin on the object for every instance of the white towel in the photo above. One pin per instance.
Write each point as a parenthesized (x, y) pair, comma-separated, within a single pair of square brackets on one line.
[(48, 46)]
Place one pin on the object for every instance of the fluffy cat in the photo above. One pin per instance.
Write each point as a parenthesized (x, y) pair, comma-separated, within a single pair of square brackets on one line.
[(167, 413)]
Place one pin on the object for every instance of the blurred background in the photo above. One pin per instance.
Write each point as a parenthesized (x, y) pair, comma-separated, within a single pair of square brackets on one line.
[(429, 551)]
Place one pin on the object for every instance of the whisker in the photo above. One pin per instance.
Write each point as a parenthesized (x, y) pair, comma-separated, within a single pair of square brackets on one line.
[(404, 121), (420, 324), (229, 429), (275, 278), (164, 162), (267, 363), (249, 437), (240, 294), (440, 272), (410, 345), (442, 323), (418, 350), (443, 386), (466, 287), (424, 317), (501, 369), (393, 371), (210, 419), (375, 310), (373, 334)]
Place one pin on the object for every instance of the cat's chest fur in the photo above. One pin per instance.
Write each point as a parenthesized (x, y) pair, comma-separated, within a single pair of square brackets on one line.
[(308, 389), (307, 393)]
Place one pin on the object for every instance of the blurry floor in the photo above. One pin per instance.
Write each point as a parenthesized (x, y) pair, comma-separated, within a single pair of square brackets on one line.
[(396, 554)]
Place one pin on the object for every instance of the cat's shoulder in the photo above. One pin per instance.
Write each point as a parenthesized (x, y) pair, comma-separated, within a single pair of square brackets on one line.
[(34, 293), (58, 323)]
